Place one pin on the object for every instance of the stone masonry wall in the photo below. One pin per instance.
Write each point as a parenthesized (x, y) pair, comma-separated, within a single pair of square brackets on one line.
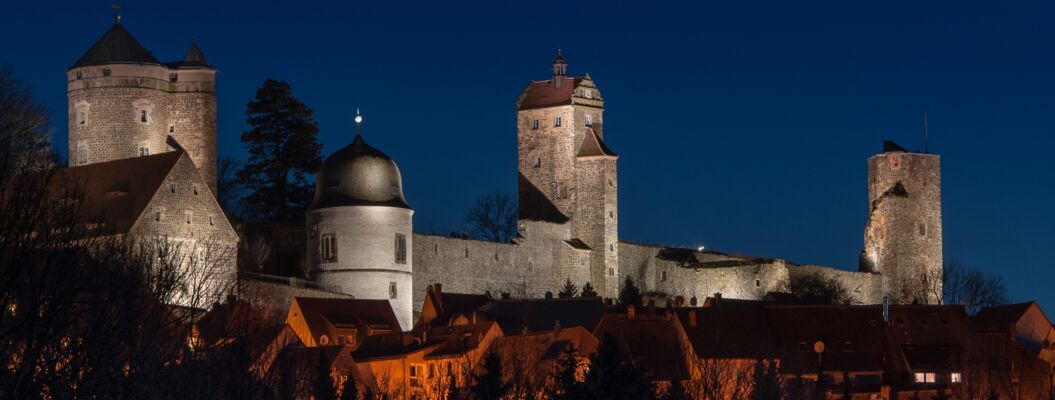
[(597, 221), (864, 287), (555, 148)]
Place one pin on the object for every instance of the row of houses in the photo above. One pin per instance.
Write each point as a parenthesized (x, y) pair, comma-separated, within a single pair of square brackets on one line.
[(725, 348)]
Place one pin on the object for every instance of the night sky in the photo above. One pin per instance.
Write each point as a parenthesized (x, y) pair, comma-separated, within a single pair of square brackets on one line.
[(743, 126)]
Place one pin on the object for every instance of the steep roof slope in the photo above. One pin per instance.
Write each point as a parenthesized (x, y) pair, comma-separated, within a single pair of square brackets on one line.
[(116, 46)]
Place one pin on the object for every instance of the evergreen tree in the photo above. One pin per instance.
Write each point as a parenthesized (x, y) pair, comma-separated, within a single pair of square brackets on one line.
[(568, 290), (587, 290), (630, 294), (283, 152), (488, 384), (351, 388), (324, 387), (613, 377), (563, 382)]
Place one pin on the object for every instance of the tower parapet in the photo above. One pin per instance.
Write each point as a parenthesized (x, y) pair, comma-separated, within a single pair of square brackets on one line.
[(903, 235)]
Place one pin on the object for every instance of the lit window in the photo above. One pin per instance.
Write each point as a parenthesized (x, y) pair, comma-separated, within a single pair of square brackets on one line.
[(955, 377), (556, 121), (401, 248), (329, 247), (931, 377), (392, 293), (534, 124), (924, 377)]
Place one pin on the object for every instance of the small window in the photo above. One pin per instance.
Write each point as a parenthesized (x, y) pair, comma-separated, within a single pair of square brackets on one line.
[(143, 116), (211, 222), (611, 247), (611, 214), (144, 151), (663, 276), (611, 182), (955, 377), (536, 162), (466, 252), (157, 215), (589, 118), (328, 248), (82, 156), (195, 190), (758, 283), (924, 377), (172, 128), (922, 229), (82, 118), (556, 121), (106, 72), (401, 248), (173, 77), (80, 75), (611, 271), (188, 216), (392, 292), (534, 124), (172, 187)]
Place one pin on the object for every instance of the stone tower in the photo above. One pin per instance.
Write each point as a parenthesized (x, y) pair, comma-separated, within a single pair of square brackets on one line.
[(124, 103), (567, 173), (903, 236), (360, 228)]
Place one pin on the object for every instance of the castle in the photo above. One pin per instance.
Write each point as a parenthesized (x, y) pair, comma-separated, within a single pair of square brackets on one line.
[(358, 234)]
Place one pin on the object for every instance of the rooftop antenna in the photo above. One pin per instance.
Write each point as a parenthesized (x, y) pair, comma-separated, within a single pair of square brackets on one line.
[(117, 11), (358, 122), (926, 135)]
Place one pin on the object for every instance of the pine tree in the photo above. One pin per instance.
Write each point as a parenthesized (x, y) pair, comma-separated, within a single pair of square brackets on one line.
[(612, 376), (630, 294), (587, 290), (283, 151), (488, 384), (563, 382), (324, 387), (568, 290)]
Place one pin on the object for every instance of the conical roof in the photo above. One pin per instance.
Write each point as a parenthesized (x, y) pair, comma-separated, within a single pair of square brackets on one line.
[(358, 175), (195, 58), (117, 46)]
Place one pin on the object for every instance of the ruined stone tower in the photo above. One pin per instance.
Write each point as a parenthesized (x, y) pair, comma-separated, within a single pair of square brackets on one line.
[(903, 236), (567, 173), (124, 103)]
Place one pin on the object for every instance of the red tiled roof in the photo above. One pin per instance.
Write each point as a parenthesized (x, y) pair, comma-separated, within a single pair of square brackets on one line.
[(542, 94), (593, 146)]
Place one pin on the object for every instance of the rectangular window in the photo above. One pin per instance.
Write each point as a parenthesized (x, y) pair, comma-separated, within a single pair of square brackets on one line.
[(211, 220), (172, 187), (663, 276), (173, 77), (144, 151), (417, 375), (82, 156), (81, 118), (188, 216), (556, 121), (534, 124), (536, 162), (401, 248), (195, 190), (924, 377), (589, 119), (172, 128), (392, 292), (143, 116), (328, 248), (611, 271), (106, 72), (955, 377), (79, 75), (157, 215)]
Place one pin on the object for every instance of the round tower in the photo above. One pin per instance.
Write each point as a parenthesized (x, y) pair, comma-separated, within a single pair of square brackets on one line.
[(124, 103), (903, 236), (360, 228)]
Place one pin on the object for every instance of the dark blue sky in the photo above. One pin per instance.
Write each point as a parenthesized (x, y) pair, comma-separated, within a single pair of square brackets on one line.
[(742, 125)]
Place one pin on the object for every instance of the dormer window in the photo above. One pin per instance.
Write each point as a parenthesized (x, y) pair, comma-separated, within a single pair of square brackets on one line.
[(556, 121), (534, 124)]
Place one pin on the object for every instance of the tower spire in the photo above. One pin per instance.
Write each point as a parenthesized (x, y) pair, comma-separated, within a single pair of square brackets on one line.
[(560, 69), (117, 11), (358, 122)]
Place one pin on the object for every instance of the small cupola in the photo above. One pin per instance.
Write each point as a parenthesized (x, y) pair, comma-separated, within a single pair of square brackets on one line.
[(560, 70)]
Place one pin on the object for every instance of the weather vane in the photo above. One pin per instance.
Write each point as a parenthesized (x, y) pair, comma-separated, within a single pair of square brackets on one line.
[(117, 11)]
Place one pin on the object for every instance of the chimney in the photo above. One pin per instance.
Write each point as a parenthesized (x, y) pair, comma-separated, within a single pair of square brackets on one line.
[(692, 318), (630, 312)]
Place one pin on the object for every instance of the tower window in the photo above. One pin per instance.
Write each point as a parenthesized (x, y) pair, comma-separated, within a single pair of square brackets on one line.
[(157, 215), (536, 162), (589, 118), (172, 187), (534, 124), (172, 128), (80, 74), (211, 220), (663, 276), (401, 248), (922, 229), (188, 216), (144, 151), (392, 292), (758, 283), (82, 156), (173, 77), (611, 214), (106, 72), (143, 116), (195, 190), (611, 271), (82, 118), (556, 121), (328, 247), (466, 252)]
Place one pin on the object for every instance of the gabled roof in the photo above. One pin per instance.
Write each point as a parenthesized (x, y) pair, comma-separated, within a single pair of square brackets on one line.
[(542, 94), (650, 342), (195, 58), (536, 315), (593, 146), (323, 315), (114, 193), (117, 46)]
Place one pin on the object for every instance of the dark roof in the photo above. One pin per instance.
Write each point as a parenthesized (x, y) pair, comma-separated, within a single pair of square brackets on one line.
[(117, 46), (358, 175), (535, 206), (578, 244), (195, 58), (537, 315), (319, 312), (999, 318), (650, 342), (890, 147), (114, 193), (593, 146), (542, 94), (728, 331)]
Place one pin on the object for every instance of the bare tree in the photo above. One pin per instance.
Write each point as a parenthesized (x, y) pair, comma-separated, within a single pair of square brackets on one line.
[(972, 288), (23, 129), (494, 218), (253, 250)]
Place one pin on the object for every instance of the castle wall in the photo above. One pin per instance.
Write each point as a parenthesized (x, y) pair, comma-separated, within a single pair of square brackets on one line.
[(864, 287), (752, 280), (597, 221)]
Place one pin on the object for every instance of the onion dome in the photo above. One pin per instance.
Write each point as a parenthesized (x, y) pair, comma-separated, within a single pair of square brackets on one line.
[(358, 175)]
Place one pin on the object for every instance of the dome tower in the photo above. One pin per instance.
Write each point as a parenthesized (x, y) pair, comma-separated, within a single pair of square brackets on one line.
[(360, 228)]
